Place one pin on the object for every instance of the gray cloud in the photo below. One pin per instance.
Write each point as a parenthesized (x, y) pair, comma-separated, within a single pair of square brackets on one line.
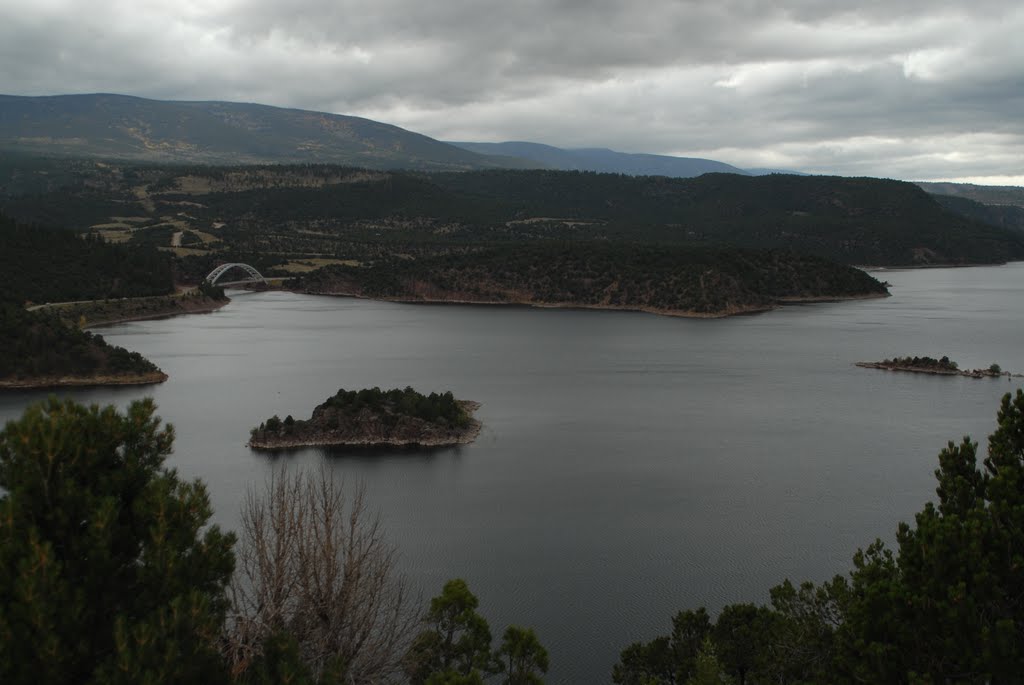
[(909, 89)]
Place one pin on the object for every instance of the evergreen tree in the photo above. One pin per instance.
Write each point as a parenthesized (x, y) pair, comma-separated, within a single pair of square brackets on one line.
[(707, 669), (948, 606), (522, 656), (108, 570), (666, 660), (456, 647), (741, 636)]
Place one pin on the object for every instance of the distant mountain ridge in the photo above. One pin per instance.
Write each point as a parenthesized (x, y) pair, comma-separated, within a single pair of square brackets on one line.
[(139, 129), (128, 128), (603, 160)]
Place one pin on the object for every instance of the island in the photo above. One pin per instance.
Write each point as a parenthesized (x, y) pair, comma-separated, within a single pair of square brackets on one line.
[(938, 367), (374, 418)]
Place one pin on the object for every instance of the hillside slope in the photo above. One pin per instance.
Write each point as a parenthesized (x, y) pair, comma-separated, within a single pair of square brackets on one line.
[(131, 128), (353, 214)]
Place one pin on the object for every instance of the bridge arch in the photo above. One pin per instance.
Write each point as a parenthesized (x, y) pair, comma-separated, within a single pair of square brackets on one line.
[(215, 275)]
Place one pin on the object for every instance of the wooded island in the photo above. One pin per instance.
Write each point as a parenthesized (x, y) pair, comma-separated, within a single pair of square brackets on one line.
[(375, 418), (939, 367)]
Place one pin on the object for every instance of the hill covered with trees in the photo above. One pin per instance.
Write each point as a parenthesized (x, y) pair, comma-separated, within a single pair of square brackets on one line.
[(1004, 216), (40, 350), (52, 265), (325, 211)]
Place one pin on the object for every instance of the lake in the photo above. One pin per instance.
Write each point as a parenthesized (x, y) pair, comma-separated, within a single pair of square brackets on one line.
[(630, 465)]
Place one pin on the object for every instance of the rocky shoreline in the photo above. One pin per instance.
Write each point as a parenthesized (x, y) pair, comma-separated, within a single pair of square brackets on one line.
[(735, 310), (109, 312), (366, 429), (972, 373), (150, 378)]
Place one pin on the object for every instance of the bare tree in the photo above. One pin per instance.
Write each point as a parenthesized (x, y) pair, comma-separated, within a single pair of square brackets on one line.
[(314, 565)]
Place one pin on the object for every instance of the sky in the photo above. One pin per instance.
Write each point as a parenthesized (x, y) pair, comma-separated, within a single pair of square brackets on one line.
[(911, 89)]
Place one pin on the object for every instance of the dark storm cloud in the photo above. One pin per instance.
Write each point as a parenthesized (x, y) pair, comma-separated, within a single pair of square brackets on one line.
[(910, 88)]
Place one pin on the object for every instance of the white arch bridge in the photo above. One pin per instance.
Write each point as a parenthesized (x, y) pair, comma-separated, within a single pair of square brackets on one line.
[(254, 275)]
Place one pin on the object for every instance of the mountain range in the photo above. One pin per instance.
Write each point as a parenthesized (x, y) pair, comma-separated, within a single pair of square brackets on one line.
[(603, 160), (138, 129)]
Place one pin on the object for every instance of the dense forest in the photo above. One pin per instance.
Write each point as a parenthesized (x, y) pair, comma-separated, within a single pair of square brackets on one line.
[(596, 274), (349, 213), (1004, 216), (49, 265)]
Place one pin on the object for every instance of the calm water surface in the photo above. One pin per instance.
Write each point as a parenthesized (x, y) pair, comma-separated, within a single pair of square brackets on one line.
[(630, 465)]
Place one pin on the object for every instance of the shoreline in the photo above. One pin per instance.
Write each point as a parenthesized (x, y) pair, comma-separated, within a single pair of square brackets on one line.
[(915, 267), (206, 309), (679, 313), (467, 437), (203, 308), (108, 312), (150, 378)]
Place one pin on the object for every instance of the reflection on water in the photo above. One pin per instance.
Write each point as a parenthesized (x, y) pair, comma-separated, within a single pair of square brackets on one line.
[(630, 465)]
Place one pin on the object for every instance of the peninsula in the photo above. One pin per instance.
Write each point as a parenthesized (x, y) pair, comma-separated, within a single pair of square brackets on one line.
[(43, 352), (669, 280), (938, 367), (374, 418)]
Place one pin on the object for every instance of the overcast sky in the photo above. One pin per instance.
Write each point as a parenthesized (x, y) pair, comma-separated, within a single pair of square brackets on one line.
[(913, 89)]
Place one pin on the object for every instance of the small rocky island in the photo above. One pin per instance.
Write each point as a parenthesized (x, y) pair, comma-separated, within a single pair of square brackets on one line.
[(375, 418), (939, 367)]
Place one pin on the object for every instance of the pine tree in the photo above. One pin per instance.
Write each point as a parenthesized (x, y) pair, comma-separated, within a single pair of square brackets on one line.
[(948, 606), (456, 646), (108, 570)]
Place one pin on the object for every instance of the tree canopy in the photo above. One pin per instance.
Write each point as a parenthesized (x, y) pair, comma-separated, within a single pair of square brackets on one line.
[(454, 647), (109, 569)]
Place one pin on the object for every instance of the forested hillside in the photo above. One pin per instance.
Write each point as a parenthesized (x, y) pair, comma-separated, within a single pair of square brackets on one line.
[(1004, 216), (39, 350), (44, 265), (344, 213)]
